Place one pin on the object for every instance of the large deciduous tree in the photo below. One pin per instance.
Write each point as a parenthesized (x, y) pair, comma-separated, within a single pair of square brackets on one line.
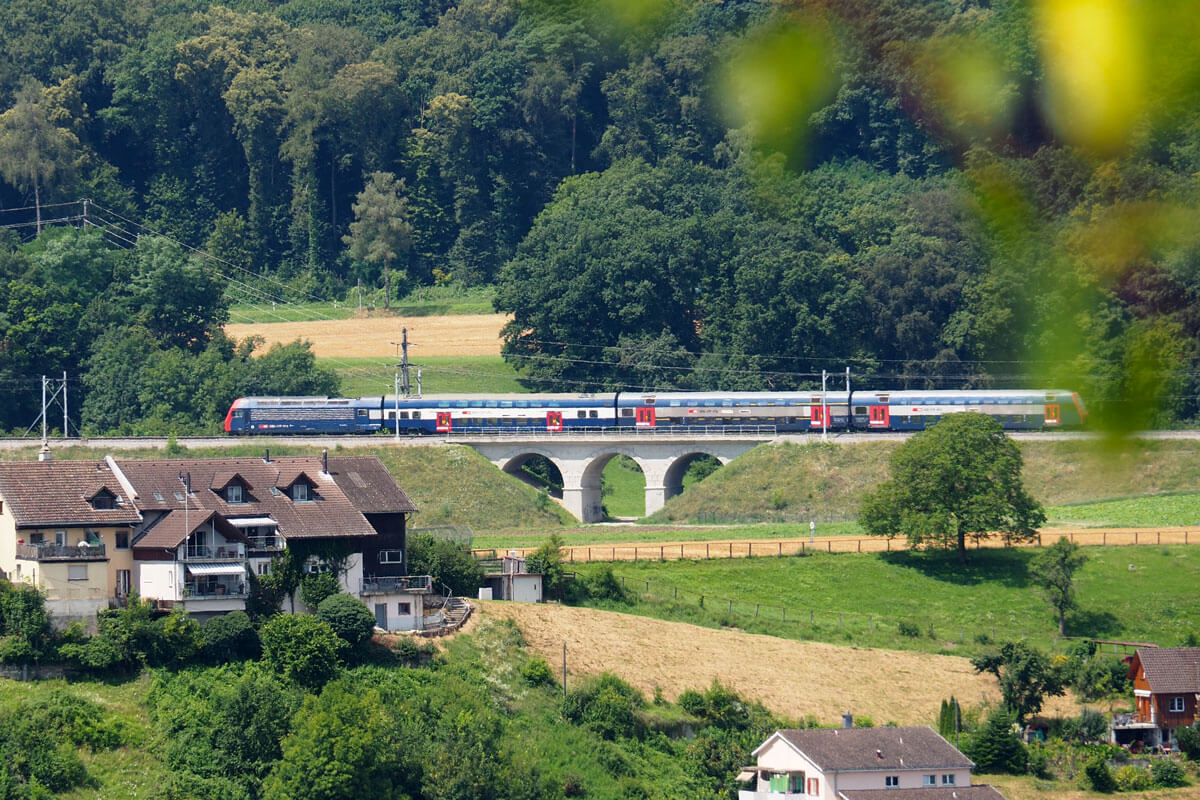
[(959, 478), (33, 146), (381, 232), (1054, 570), (1026, 676)]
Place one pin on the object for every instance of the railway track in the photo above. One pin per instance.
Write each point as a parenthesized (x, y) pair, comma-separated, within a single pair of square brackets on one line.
[(216, 442)]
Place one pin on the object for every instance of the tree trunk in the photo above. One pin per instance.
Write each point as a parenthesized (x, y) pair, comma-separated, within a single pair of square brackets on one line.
[(962, 548), (37, 205), (1062, 622)]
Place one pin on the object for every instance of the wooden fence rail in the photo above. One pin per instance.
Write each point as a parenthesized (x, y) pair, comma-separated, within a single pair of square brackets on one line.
[(743, 548)]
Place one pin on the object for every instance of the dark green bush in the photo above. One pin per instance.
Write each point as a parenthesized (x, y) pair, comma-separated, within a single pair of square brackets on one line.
[(537, 672), (301, 648), (448, 563), (1099, 776), (349, 617), (1132, 778), (604, 585), (315, 588), (1189, 741), (995, 747), (228, 638), (1167, 774), (608, 706), (909, 629)]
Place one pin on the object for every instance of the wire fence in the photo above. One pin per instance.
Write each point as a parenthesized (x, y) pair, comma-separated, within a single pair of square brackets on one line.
[(747, 548)]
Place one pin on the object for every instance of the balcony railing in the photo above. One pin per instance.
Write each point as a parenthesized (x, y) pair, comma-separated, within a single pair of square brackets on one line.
[(223, 553), (270, 544), (220, 591), (61, 552), (407, 583)]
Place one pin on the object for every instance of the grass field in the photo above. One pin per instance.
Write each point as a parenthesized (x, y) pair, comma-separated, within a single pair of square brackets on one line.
[(424, 301), (439, 375), (1144, 594)]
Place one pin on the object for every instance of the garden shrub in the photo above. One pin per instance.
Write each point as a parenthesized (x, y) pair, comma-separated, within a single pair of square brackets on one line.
[(301, 648), (1099, 776), (1131, 778), (1189, 741), (350, 619), (229, 637), (1167, 774), (537, 672), (910, 629), (607, 705)]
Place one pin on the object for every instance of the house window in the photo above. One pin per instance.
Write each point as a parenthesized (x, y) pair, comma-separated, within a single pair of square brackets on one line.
[(1176, 705), (391, 556), (60, 538), (947, 780), (796, 784), (300, 491), (814, 786), (264, 568), (404, 608), (38, 538), (892, 781), (233, 493), (124, 582), (929, 780), (77, 572), (122, 540), (103, 502)]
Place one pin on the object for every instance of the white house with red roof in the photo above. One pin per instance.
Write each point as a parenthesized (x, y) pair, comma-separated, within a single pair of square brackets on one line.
[(910, 763)]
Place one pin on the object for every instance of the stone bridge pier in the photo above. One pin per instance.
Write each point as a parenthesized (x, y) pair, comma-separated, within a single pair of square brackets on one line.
[(581, 463)]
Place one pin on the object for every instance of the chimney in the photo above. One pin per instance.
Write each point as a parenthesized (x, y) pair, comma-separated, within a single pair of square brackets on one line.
[(45, 454), (267, 456), (325, 461), (847, 720)]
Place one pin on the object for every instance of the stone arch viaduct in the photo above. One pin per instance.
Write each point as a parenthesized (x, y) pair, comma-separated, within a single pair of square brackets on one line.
[(581, 459)]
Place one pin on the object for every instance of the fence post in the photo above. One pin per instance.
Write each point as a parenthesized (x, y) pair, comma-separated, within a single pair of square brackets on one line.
[(676, 592), (731, 606), (661, 557), (731, 549), (860, 545), (829, 545), (1104, 538), (810, 616), (706, 555), (780, 547), (680, 552), (647, 587), (756, 610)]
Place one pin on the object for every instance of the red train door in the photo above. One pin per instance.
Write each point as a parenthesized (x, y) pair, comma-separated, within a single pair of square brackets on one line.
[(817, 420), (443, 422), (1053, 415), (554, 420), (878, 417), (644, 417)]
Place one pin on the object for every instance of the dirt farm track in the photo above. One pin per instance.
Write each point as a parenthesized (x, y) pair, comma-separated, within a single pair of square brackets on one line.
[(372, 337)]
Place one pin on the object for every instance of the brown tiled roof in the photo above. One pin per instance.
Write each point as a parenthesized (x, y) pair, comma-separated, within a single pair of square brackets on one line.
[(369, 486), (289, 476), (979, 792), (330, 513), (222, 478), (876, 748), (58, 493), (1171, 669), (171, 529)]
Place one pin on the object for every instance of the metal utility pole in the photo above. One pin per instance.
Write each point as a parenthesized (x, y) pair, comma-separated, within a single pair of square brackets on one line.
[(401, 376), (847, 380), (47, 401), (824, 409), (64, 390)]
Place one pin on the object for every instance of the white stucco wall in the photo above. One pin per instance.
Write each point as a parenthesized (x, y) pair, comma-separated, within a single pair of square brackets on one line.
[(160, 580)]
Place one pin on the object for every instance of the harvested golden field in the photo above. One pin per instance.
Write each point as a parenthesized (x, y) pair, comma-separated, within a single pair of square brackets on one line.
[(372, 337), (791, 678)]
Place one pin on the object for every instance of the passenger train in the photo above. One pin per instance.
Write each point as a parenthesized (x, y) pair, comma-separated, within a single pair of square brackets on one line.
[(785, 412)]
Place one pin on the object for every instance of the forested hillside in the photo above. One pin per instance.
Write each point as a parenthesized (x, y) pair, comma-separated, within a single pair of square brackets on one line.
[(692, 193)]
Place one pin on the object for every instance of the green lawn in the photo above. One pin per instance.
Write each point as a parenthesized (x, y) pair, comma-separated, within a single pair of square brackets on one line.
[(1144, 594), (425, 301), (1133, 512), (439, 375)]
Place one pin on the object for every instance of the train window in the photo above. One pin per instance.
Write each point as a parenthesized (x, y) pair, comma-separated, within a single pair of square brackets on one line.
[(506, 404), (691, 403), (415, 414), (860, 409), (443, 404), (649, 401), (391, 415), (362, 412), (493, 422), (726, 403), (506, 421), (593, 413), (710, 403), (626, 412), (489, 404), (461, 404), (674, 404), (883, 398), (522, 404), (581, 414)]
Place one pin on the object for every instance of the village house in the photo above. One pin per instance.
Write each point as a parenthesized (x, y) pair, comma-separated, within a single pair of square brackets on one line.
[(1166, 681), (859, 764), (190, 533)]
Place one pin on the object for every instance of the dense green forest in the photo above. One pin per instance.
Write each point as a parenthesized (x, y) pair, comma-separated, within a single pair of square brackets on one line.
[(691, 193)]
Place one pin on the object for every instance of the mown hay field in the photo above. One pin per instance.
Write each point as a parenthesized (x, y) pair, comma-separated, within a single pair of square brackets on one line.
[(366, 337), (792, 678)]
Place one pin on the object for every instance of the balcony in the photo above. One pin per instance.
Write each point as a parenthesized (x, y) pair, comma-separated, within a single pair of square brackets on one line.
[(228, 552), (265, 544), (61, 552), (223, 590), (397, 585)]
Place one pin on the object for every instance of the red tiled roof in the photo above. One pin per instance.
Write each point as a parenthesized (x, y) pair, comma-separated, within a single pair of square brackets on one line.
[(978, 792), (172, 528), (329, 514), (59, 493), (918, 747), (369, 486), (1170, 669)]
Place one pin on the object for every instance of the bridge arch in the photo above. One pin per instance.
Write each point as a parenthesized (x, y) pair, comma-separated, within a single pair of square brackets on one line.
[(517, 467), (581, 462)]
